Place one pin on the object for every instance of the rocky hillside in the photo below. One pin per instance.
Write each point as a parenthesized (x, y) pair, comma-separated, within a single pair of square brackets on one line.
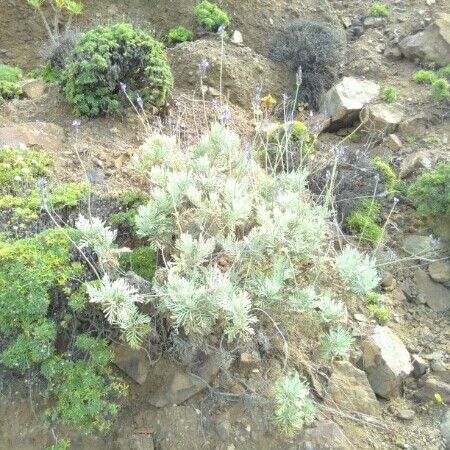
[(300, 163)]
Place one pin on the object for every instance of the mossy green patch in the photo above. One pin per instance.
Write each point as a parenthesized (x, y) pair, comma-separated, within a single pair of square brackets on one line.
[(363, 221), (141, 260), (393, 185)]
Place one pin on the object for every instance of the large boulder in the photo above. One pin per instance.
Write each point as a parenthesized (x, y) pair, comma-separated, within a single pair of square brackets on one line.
[(244, 72), (431, 44), (382, 117), (440, 271), (46, 136), (436, 296), (326, 435), (134, 363), (344, 101), (33, 89), (386, 362), (350, 390)]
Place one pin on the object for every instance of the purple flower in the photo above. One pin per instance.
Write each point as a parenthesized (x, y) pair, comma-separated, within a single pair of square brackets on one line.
[(123, 86), (42, 184), (203, 67), (76, 125), (177, 104), (139, 101), (299, 76), (158, 122), (214, 103), (226, 115)]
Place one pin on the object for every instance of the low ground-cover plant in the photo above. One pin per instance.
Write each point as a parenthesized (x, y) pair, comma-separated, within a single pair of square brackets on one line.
[(440, 88), (392, 184), (111, 66), (431, 191), (315, 48), (424, 77), (210, 16), (179, 34), (379, 10), (9, 76), (390, 94), (363, 221)]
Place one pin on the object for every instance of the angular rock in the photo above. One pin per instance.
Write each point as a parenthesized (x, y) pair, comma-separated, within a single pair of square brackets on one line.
[(47, 136), (236, 38), (344, 101), (386, 362), (172, 386), (382, 117), (33, 89), (325, 435), (134, 363), (436, 296), (431, 44), (350, 390), (440, 271), (420, 366), (413, 162), (405, 414), (136, 442), (438, 383), (394, 142), (421, 246)]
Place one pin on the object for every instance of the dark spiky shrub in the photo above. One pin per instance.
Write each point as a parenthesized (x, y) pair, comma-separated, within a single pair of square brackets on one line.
[(56, 51), (317, 49), (111, 66)]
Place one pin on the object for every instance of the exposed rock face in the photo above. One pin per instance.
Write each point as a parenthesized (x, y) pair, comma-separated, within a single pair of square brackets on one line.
[(136, 442), (172, 385), (414, 161), (133, 362), (47, 136), (33, 89), (344, 101), (386, 362), (440, 271), (243, 71), (445, 429), (431, 44), (382, 117), (438, 383), (326, 435), (349, 388), (436, 296)]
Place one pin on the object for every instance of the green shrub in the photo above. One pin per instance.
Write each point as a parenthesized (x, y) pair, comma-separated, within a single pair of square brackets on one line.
[(424, 77), (210, 16), (10, 90), (440, 90), (390, 94), (84, 388), (380, 10), (111, 66), (179, 34), (363, 221), (10, 73), (381, 313), (47, 73), (431, 191), (444, 72), (142, 261)]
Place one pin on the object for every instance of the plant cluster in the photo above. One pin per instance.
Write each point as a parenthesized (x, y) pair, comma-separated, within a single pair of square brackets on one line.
[(79, 381), (285, 146), (392, 184), (390, 94), (21, 197), (293, 405), (179, 34), (9, 86), (363, 221), (430, 193), (314, 47), (380, 10), (111, 66), (210, 16), (440, 87)]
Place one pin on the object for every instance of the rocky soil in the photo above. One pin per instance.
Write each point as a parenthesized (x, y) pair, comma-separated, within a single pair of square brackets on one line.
[(385, 396)]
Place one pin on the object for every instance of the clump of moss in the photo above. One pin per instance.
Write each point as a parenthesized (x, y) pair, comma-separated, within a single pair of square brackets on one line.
[(10, 73), (9, 88), (380, 10), (129, 202), (363, 221), (381, 313), (430, 193), (424, 77), (444, 72), (179, 34), (142, 261), (440, 90)]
